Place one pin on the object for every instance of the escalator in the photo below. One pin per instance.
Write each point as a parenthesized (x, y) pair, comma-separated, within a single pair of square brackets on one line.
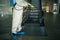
[(32, 25), (33, 13)]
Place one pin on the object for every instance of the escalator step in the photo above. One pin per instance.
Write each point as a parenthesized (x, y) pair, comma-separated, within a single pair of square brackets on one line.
[(33, 16), (36, 3), (33, 13)]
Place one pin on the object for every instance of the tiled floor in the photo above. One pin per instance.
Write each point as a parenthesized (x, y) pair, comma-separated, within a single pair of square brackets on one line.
[(52, 23), (33, 31)]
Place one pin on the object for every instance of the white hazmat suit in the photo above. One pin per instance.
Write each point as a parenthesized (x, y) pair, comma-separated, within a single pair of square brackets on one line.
[(17, 15)]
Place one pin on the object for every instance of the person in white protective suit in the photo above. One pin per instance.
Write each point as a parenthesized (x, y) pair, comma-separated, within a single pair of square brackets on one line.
[(17, 16)]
